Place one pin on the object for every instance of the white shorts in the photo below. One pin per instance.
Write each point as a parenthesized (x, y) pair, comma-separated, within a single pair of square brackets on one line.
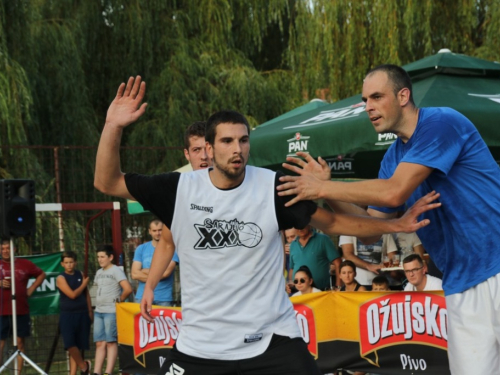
[(474, 329)]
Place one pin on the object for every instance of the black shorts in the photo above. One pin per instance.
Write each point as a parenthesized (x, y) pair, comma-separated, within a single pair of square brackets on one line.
[(75, 329), (23, 326), (284, 356)]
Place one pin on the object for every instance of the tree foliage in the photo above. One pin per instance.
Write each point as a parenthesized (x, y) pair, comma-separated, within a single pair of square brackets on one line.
[(62, 61)]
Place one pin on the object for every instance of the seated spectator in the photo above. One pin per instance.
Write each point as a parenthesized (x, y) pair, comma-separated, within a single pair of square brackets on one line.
[(304, 282), (367, 258), (347, 275), (418, 280), (316, 251), (380, 284)]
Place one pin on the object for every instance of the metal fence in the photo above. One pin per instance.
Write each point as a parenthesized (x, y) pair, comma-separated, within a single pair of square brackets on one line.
[(64, 174)]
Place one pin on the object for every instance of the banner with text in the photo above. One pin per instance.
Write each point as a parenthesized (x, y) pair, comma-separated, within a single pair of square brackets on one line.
[(45, 299), (379, 332)]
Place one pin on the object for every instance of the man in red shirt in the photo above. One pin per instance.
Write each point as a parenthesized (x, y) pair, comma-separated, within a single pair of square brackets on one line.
[(24, 270)]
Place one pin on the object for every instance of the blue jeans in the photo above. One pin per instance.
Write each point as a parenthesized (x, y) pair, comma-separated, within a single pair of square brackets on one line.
[(105, 327)]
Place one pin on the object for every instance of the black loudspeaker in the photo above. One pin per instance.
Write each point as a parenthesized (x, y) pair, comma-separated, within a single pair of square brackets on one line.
[(17, 208)]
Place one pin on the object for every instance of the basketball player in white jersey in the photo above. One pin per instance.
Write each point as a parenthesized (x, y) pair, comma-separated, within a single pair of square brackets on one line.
[(225, 223)]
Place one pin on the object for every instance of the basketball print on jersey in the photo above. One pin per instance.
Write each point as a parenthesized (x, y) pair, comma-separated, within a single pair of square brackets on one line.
[(216, 234)]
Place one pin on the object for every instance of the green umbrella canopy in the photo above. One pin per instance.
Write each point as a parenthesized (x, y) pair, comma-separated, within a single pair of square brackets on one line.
[(313, 104), (342, 134), (447, 62)]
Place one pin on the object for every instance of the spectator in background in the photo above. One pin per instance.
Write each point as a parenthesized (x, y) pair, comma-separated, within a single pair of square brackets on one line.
[(76, 314), (418, 281), (304, 282), (112, 287), (195, 146), (347, 275), (196, 154), (408, 243), (24, 270), (316, 251), (142, 262), (367, 258), (380, 284)]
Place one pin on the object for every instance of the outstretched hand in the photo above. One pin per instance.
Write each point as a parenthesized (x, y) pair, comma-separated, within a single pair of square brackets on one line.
[(127, 106), (308, 184), (409, 221)]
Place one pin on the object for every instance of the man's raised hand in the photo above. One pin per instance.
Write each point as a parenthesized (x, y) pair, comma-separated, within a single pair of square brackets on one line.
[(127, 106), (308, 184)]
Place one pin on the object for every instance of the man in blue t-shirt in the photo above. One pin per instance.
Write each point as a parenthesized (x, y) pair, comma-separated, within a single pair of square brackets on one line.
[(142, 262), (437, 149)]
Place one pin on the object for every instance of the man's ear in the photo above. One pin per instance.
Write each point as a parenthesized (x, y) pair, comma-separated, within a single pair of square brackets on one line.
[(210, 150), (186, 154), (404, 96)]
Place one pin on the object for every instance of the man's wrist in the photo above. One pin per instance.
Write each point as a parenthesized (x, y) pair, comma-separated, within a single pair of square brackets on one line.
[(114, 125)]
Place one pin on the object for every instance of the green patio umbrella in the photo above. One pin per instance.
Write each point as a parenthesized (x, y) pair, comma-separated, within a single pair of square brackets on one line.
[(342, 134), (313, 104)]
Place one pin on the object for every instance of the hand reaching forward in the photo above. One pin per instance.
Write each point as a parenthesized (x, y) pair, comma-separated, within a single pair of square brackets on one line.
[(126, 108), (308, 184), (409, 223)]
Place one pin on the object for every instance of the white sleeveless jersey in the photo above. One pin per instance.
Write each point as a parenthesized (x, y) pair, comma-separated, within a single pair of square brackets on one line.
[(231, 266)]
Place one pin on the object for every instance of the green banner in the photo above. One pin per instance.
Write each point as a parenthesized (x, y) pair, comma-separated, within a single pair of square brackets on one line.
[(45, 299)]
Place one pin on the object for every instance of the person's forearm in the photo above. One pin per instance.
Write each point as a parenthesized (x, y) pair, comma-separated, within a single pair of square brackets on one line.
[(77, 291), (378, 192), (140, 276), (350, 225), (124, 295), (346, 208), (107, 169), (357, 261), (162, 258), (38, 281), (169, 270)]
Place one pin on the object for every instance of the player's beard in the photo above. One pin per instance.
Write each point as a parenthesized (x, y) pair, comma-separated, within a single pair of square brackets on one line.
[(229, 172)]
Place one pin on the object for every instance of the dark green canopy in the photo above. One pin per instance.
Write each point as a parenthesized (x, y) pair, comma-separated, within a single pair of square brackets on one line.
[(342, 134)]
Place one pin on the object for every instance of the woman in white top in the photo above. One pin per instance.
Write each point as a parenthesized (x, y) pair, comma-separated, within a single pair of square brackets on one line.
[(304, 282)]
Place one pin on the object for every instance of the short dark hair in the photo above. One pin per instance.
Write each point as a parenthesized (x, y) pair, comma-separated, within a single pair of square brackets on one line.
[(308, 272), (412, 257), (196, 129), (154, 221), (398, 76), (347, 263), (380, 280), (221, 117), (108, 249), (68, 254)]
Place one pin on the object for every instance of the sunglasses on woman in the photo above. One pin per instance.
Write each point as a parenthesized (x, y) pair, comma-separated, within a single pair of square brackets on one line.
[(297, 281)]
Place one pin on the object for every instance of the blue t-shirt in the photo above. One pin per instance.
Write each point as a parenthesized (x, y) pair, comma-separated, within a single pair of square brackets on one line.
[(163, 291), (463, 238)]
